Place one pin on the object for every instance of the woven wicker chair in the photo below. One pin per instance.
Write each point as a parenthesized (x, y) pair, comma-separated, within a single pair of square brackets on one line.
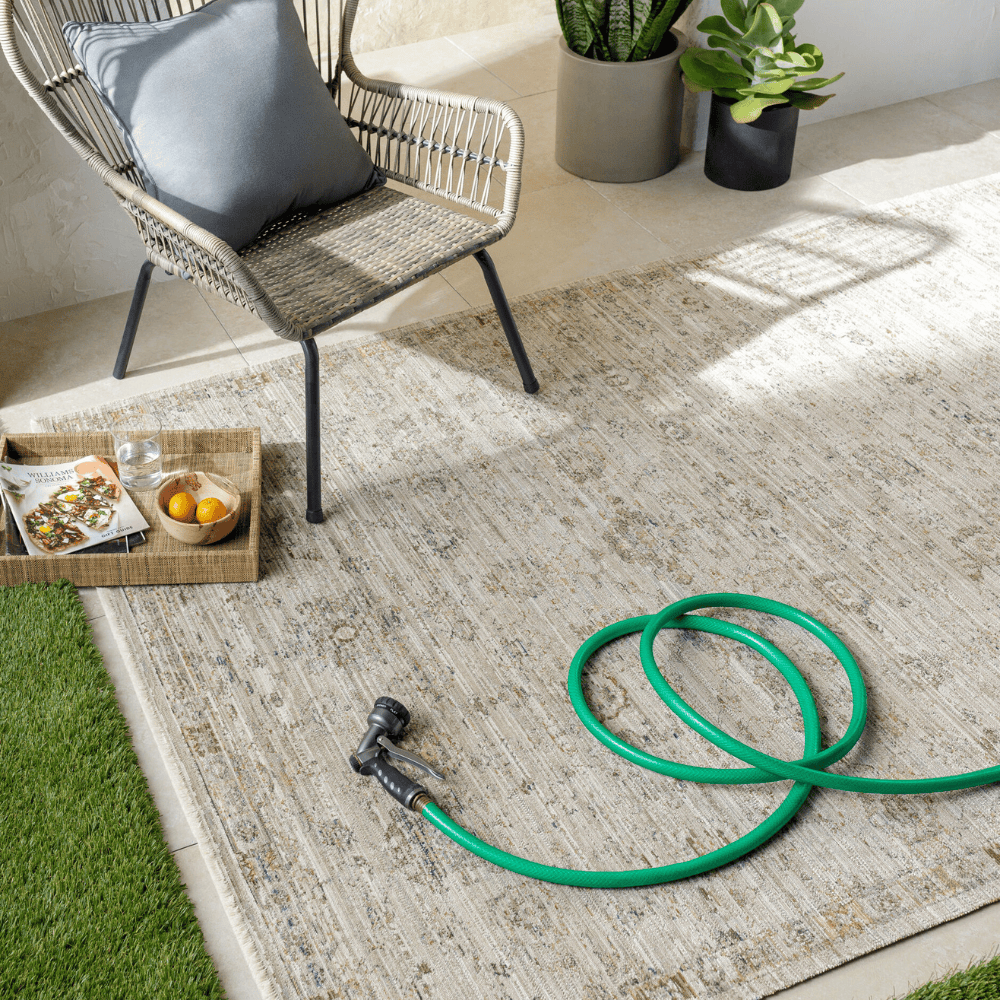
[(293, 277)]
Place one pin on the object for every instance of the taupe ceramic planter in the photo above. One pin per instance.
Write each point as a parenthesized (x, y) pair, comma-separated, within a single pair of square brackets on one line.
[(619, 122)]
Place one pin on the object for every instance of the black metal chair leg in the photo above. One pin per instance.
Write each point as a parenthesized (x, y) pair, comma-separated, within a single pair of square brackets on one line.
[(132, 323), (507, 321), (314, 500)]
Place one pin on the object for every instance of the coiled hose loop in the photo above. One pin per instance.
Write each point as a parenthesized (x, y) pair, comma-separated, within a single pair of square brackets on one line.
[(806, 772)]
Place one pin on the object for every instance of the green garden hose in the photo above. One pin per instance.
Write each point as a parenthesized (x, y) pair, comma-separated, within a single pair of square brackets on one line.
[(806, 772)]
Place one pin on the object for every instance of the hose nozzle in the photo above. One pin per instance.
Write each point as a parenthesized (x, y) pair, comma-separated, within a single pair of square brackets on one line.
[(387, 720)]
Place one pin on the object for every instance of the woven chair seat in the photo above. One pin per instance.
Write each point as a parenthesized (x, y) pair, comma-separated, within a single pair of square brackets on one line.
[(322, 268)]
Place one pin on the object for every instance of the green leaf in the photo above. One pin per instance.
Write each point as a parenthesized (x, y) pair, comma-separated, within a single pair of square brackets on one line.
[(786, 8), (803, 64), (750, 108), (718, 26), (765, 58), (706, 73), (722, 62), (792, 60), (762, 62), (575, 26), (650, 37), (806, 102), (766, 27), (814, 82), (810, 51), (642, 11), (718, 42), (736, 13), (769, 88), (599, 50), (596, 12), (692, 87), (619, 29)]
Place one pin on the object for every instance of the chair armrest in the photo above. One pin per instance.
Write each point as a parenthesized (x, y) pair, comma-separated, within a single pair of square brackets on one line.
[(443, 143), (181, 247)]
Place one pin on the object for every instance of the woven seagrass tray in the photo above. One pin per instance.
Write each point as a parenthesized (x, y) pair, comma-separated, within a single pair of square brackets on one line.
[(230, 452)]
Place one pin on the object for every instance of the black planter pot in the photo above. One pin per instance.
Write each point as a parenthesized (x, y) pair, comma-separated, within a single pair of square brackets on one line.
[(752, 156)]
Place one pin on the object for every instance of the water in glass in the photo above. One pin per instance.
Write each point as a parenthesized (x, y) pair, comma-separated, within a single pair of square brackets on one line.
[(139, 464)]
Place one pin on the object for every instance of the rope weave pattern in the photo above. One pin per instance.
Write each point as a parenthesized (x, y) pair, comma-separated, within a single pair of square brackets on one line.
[(384, 241), (448, 149)]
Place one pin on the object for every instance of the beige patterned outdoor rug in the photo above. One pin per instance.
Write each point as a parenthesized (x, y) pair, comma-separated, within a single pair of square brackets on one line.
[(812, 416)]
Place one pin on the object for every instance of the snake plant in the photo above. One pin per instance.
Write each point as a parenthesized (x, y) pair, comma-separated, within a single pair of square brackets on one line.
[(618, 30), (761, 64)]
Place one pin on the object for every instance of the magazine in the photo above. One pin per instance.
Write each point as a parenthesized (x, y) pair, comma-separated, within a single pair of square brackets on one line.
[(67, 508)]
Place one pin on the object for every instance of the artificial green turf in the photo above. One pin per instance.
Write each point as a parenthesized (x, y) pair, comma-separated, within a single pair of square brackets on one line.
[(91, 902), (982, 982)]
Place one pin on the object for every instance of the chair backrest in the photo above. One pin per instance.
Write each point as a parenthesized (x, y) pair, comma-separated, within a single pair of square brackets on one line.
[(32, 39)]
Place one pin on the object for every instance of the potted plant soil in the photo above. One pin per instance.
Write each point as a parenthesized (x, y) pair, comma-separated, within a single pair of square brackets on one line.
[(619, 97), (760, 80)]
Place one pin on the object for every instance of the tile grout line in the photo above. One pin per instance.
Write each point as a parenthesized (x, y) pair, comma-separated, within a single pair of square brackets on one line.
[(986, 132), (229, 336), (622, 211), (469, 55), (456, 291), (862, 204)]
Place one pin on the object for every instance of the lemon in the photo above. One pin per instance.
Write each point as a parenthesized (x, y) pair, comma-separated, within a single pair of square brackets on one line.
[(210, 509), (181, 507)]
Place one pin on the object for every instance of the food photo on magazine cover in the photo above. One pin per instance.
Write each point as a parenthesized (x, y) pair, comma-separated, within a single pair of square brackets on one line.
[(67, 508)]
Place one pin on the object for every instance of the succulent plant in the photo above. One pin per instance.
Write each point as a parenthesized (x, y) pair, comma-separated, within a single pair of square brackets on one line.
[(618, 30), (761, 64)]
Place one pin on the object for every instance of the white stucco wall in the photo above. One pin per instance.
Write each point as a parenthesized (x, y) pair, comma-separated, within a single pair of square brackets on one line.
[(64, 240), (889, 51), (892, 51), (381, 24)]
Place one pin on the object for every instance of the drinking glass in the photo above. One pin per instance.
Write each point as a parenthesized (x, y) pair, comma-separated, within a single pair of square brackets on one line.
[(137, 449)]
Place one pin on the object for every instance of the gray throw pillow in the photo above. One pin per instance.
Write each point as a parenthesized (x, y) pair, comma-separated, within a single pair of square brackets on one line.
[(225, 114)]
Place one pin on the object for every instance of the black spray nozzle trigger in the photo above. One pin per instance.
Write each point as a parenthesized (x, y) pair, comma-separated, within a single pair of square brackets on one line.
[(388, 718), (386, 721)]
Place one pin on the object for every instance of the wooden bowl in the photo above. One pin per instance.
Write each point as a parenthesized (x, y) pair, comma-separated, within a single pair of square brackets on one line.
[(200, 485)]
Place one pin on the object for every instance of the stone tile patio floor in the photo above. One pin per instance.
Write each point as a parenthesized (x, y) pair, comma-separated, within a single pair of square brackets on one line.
[(567, 229)]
